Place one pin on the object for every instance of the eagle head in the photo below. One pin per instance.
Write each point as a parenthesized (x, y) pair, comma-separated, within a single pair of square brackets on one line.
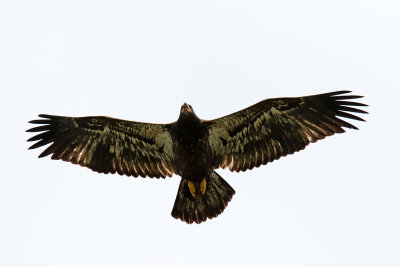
[(186, 108)]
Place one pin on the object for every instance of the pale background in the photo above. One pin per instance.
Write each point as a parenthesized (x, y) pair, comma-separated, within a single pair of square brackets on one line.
[(334, 204)]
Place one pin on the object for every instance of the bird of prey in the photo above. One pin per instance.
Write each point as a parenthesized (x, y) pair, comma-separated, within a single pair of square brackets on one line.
[(193, 148)]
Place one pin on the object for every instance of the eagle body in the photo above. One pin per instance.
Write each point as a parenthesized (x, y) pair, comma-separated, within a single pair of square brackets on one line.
[(193, 148)]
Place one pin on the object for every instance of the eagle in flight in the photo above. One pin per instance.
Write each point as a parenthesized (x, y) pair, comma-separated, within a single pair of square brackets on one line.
[(193, 148)]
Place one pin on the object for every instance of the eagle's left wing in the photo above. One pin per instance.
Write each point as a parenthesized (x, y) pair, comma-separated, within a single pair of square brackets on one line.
[(277, 127), (107, 145)]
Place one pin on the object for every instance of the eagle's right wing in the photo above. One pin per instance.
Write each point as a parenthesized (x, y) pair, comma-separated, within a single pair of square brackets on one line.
[(277, 127), (107, 145)]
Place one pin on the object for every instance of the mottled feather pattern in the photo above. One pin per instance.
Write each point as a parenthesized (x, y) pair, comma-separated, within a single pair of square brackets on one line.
[(277, 127), (107, 145)]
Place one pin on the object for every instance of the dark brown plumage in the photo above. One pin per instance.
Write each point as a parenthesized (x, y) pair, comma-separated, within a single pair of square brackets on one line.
[(194, 148)]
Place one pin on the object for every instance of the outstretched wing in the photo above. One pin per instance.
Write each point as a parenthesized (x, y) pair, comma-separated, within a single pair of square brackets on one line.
[(107, 145), (277, 127)]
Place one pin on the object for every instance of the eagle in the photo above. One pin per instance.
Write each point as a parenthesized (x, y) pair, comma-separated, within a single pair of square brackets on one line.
[(194, 148)]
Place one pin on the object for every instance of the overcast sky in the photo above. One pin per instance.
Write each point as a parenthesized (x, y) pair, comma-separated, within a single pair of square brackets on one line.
[(334, 204)]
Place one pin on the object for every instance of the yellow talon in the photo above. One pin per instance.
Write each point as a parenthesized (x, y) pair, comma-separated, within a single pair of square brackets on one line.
[(203, 186), (192, 188)]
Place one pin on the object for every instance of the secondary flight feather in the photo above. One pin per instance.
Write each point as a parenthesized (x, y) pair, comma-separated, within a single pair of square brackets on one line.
[(193, 148)]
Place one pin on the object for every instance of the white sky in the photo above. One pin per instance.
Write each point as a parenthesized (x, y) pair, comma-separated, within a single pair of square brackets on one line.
[(334, 204)]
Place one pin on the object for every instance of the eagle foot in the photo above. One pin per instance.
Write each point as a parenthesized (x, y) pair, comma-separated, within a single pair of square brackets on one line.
[(203, 185), (192, 188)]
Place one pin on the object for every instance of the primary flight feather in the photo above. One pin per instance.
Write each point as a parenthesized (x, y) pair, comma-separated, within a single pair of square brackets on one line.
[(193, 148)]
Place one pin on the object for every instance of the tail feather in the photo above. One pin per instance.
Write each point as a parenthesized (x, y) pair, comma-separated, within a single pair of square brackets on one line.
[(198, 208)]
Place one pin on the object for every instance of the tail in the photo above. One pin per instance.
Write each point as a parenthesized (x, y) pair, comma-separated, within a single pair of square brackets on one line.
[(201, 206)]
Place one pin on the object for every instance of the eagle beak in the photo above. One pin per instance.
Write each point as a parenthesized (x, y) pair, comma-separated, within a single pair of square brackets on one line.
[(187, 107)]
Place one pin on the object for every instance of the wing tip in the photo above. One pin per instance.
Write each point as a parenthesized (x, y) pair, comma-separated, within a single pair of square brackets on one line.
[(48, 116), (335, 93), (342, 94), (34, 146), (47, 119)]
